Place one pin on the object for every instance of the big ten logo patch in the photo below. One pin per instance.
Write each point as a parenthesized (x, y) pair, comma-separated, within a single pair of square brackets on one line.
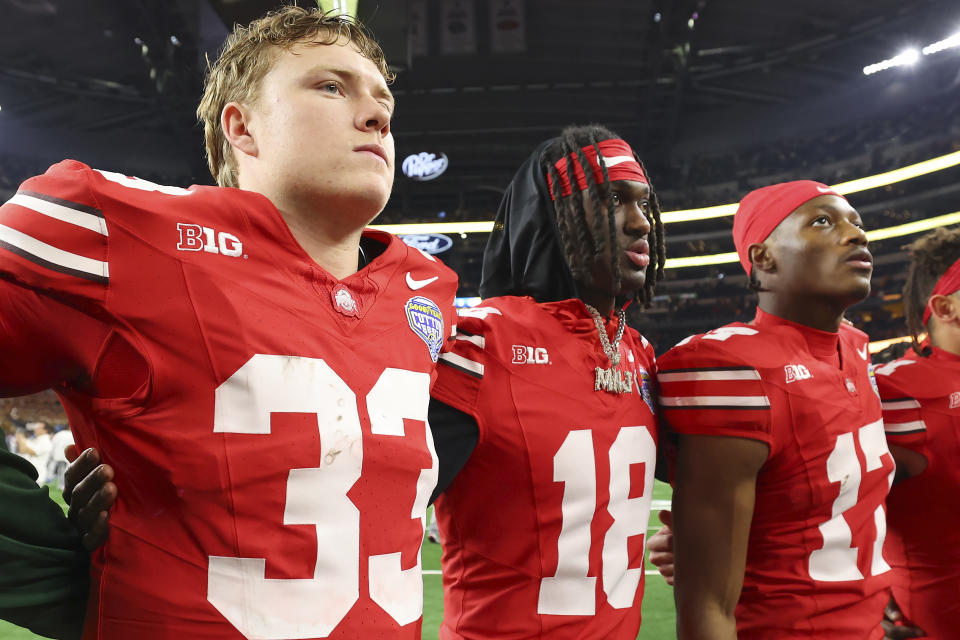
[(955, 399), (194, 237), (797, 372), (530, 355)]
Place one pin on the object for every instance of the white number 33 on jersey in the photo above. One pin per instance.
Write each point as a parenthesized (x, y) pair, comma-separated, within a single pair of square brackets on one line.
[(274, 609)]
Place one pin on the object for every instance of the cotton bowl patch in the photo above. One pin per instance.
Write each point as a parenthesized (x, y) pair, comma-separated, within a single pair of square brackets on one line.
[(426, 320), (646, 390)]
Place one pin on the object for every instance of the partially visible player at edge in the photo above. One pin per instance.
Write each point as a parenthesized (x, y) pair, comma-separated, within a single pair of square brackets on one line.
[(43, 567), (782, 468), (543, 527), (252, 363), (921, 412)]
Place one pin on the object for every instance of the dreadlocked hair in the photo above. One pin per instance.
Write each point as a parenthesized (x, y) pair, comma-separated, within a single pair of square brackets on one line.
[(583, 244), (932, 255)]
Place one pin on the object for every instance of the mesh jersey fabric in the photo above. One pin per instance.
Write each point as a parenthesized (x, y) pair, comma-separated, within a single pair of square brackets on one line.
[(275, 453), (562, 556), (814, 565), (921, 412)]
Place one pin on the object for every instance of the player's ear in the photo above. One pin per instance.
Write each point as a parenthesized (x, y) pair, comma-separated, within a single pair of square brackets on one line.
[(762, 258), (235, 120), (946, 309)]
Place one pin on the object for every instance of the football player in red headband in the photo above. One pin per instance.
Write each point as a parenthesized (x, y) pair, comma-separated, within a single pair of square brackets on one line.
[(543, 527), (543, 409), (782, 467), (252, 362), (921, 413)]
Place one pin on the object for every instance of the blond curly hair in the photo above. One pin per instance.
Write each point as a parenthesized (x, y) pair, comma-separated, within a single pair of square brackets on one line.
[(247, 56)]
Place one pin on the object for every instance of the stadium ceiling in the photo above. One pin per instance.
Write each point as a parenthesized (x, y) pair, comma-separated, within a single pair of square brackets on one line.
[(652, 70)]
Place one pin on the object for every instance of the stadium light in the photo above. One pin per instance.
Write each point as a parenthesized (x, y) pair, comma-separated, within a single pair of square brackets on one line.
[(906, 59), (701, 261), (437, 227), (879, 345), (899, 175), (913, 227), (872, 235), (910, 57), (717, 211), (947, 43)]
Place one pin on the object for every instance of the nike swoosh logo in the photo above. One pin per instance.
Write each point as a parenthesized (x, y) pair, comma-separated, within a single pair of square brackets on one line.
[(863, 352), (419, 284), (824, 189)]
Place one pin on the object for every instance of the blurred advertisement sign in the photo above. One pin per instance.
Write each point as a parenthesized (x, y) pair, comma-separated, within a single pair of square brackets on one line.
[(424, 166), (508, 26), (432, 243), (458, 33)]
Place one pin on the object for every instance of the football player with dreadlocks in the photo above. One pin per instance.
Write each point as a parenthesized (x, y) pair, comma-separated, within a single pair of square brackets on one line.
[(543, 527), (921, 412), (543, 417)]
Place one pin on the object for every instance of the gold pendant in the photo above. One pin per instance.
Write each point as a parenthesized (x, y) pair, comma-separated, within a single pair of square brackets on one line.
[(613, 381)]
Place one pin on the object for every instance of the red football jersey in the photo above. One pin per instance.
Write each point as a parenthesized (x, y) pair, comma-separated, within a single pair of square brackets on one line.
[(275, 466), (543, 528), (814, 564), (921, 411)]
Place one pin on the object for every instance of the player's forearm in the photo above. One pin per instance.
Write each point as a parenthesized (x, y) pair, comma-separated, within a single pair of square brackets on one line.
[(708, 581), (700, 620), (712, 511)]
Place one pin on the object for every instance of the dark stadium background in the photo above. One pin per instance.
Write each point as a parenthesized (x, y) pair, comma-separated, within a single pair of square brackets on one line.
[(718, 97)]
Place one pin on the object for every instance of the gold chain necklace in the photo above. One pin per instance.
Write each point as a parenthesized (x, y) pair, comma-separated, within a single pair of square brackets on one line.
[(611, 379)]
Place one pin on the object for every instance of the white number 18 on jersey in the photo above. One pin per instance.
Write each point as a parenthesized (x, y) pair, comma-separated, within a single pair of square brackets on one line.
[(571, 591)]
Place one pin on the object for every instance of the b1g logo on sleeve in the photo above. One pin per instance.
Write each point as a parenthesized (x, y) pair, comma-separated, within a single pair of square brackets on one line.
[(194, 237)]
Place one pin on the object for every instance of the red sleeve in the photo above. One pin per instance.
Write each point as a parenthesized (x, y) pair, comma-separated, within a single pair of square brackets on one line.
[(54, 236), (902, 413), (463, 363), (44, 343), (706, 390)]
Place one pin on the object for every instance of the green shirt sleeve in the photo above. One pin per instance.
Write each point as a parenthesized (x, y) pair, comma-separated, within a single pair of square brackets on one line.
[(43, 567)]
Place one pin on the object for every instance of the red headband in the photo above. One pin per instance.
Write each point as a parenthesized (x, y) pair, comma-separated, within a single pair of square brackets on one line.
[(618, 158), (948, 283), (763, 209)]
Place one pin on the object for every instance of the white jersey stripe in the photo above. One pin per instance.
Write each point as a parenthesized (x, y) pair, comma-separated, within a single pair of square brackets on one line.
[(900, 404), (51, 254), (715, 401), (479, 341), (900, 427), (716, 374), (60, 212), (462, 362)]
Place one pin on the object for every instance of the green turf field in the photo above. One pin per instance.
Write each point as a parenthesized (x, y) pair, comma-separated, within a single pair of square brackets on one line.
[(658, 613)]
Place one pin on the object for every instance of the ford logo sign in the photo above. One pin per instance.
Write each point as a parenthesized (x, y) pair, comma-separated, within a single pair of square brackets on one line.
[(432, 243), (424, 166)]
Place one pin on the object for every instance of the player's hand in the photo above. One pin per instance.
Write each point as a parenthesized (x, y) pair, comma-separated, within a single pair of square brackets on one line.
[(660, 546), (895, 626), (89, 490)]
